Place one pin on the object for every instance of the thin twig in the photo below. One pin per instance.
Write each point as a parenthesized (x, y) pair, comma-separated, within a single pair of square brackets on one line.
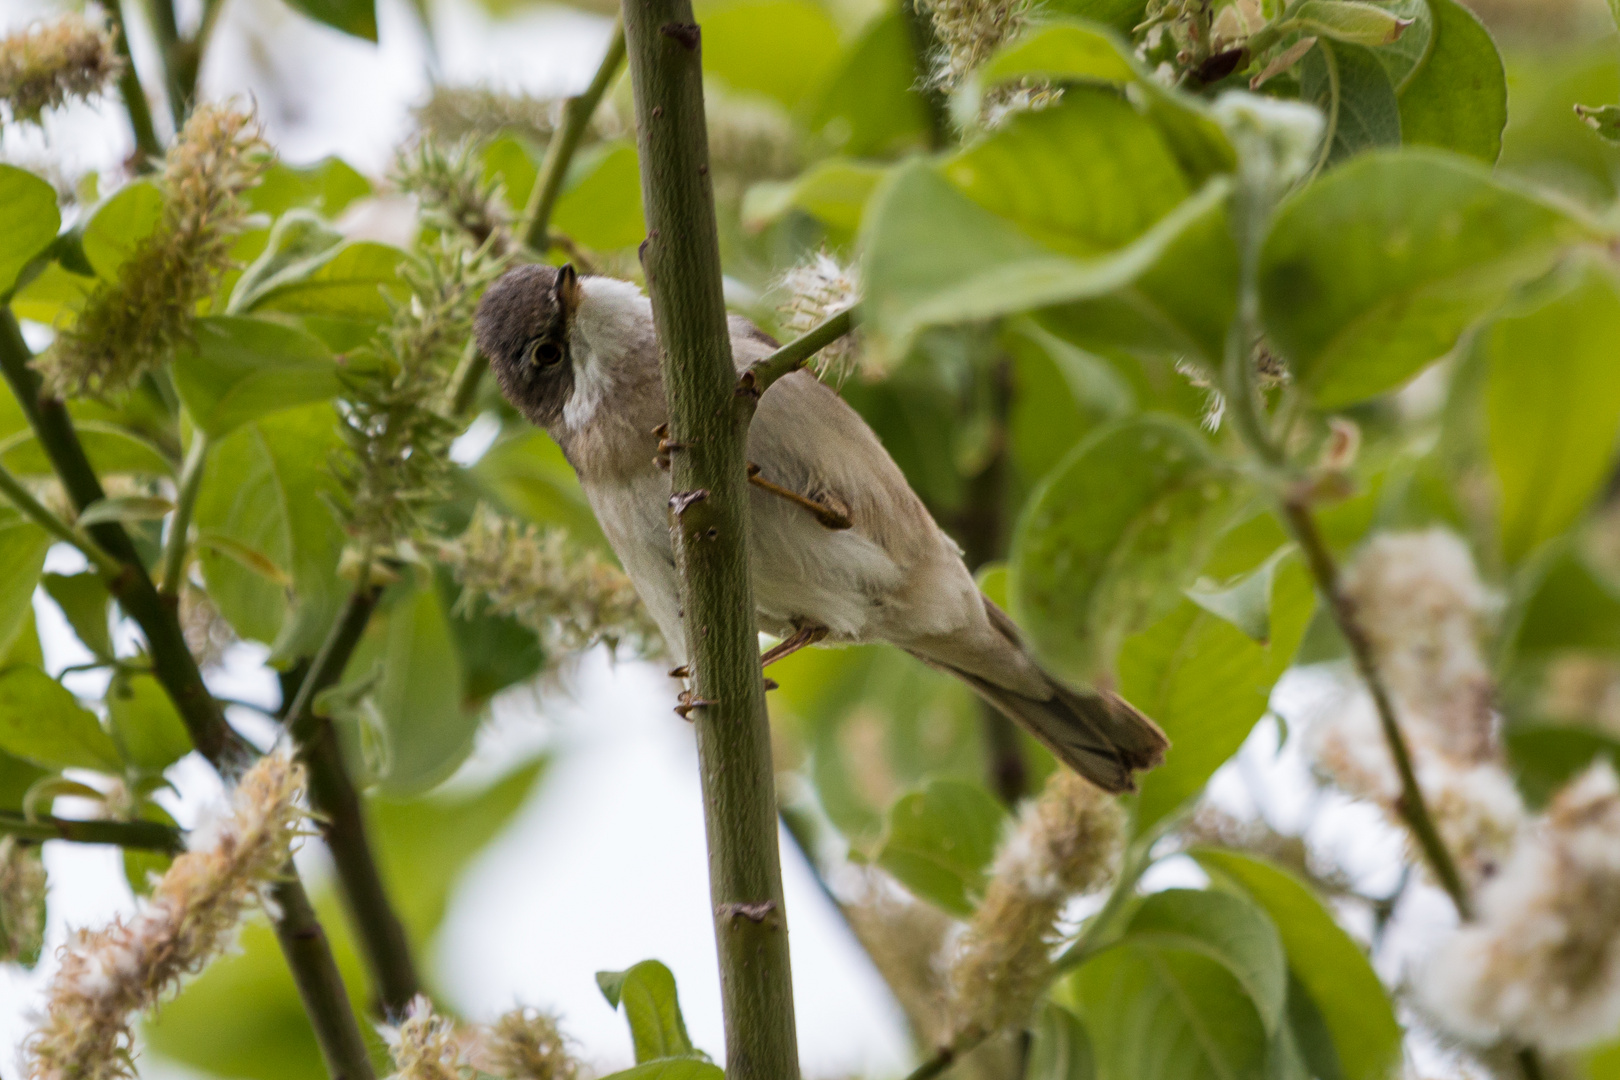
[(577, 113), (175, 544), (762, 374), (40, 515), (135, 835), (383, 941), (148, 147)]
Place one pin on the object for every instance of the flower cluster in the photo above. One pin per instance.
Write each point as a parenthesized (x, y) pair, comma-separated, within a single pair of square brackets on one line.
[(523, 1044), (478, 112), (1419, 601), (572, 598), (1541, 964), (750, 139), (133, 325), (22, 902), (968, 31), (1066, 842), (48, 63), (813, 292), (453, 193), (396, 461), (110, 974)]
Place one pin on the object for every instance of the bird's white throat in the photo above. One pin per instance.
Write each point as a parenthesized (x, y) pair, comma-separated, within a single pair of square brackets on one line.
[(611, 322)]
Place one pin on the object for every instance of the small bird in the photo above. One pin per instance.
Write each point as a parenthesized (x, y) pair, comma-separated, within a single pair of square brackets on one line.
[(842, 550)]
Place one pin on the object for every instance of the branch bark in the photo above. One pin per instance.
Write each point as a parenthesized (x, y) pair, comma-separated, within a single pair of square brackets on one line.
[(709, 525), (303, 942), (140, 835), (382, 937)]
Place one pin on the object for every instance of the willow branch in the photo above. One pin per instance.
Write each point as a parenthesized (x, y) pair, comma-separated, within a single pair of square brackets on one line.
[(382, 937), (577, 113), (166, 28), (709, 527), (40, 515), (136, 835), (175, 544), (148, 148), (762, 374), (303, 942)]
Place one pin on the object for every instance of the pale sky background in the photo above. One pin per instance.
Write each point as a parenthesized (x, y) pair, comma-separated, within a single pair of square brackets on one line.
[(605, 866)]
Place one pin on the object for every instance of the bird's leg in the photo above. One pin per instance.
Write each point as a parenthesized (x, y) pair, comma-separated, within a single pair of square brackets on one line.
[(799, 639), (828, 509)]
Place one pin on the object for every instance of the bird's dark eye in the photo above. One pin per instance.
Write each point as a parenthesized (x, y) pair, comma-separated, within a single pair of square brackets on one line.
[(543, 353)]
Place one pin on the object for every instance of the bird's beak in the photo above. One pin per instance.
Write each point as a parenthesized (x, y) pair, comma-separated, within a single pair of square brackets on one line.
[(569, 292)]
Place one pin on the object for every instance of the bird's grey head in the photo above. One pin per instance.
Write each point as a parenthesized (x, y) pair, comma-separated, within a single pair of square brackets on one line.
[(523, 326)]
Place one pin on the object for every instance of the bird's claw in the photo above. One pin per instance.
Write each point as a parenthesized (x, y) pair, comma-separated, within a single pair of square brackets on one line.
[(826, 507), (689, 701)]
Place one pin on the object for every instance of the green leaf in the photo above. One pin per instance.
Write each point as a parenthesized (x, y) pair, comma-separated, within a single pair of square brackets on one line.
[(1161, 1013), (934, 257), (111, 448), (671, 1069), (119, 224), (1354, 93), (781, 49), (1107, 541), (1086, 176), (1568, 607), (526, 471), (357, 18), (647, 992), (1553, 406), (1547, 756), (1374, 271), (125, 508), (868, 106), (1348, 21), (1207, 683), (1342, 985), (83, 598), (1066, 49), (1603, 119), (28, 222), (938, 842), (347, 282), (1229, 930), (22, 552), (41, 722), (1458, 99), (601, 206), (834, 191), (1403, 58), (299, 245), (145, 723), (495, 651), (1246, 603), (1060, 1048), (328, 187), (262, 490), (425, 731), (239, 369)]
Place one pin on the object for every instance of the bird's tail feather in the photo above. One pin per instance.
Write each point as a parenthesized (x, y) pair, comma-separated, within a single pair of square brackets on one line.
[(1096, 733)]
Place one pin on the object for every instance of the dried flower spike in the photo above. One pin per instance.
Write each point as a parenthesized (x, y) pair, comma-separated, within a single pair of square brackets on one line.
[(814, 292), (524, 1044), (1065, 843), (133, 325), (109, 975), (425, 1046), (571, 598), (968, 31), (48, 63), (1541, 965), (22, 902)]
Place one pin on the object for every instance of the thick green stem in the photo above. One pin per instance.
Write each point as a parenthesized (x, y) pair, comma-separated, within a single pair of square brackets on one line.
[(148, 148), (303, 942), (577, 113), (175, 544), (709, 526), (138, 835), (762, 374), (383, 941), (320, 987)]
